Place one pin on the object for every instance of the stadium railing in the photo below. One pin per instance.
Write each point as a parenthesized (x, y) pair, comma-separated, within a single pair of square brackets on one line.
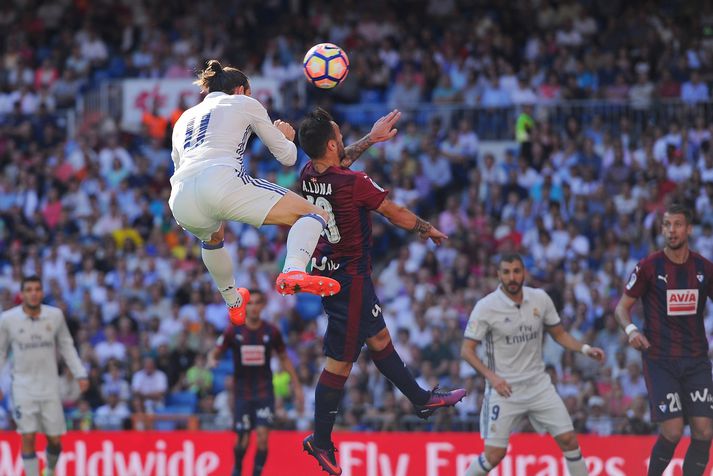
[(489, 123), (499, 123)]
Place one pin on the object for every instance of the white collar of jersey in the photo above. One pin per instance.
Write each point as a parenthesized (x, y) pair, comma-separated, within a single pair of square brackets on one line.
[(506, 299), (215, 94)]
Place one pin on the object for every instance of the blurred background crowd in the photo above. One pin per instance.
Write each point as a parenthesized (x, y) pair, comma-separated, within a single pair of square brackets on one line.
[(579, 190)]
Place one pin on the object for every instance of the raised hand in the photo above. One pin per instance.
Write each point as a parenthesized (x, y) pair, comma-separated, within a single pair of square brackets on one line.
[(383, 129)]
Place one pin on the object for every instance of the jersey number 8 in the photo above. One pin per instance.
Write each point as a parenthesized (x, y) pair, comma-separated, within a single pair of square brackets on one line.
[(331, 232)]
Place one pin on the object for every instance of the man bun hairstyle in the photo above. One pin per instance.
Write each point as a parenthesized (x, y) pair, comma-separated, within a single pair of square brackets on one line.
[(217, 78), (315, 131)]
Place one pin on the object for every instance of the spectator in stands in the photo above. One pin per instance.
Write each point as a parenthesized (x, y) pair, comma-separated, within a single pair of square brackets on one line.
[(694, 90), (150, 384), (113, 415)]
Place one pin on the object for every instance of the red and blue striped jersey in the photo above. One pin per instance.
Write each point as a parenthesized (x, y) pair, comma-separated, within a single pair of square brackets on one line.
[(348, 197), (252, 350), (674, 299)]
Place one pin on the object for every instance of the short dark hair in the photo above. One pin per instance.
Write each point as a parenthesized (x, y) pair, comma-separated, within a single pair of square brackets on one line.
[(510, 257), (30, 279), (678, 209), (216, 78), (256, 291), (315, 131)]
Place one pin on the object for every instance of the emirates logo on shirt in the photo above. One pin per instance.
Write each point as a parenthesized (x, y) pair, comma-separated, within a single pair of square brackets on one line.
[(681, 302)]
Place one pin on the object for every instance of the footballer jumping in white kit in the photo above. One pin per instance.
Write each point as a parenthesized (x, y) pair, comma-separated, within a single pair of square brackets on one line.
[(210, 185), (34, 333), (511, 321)]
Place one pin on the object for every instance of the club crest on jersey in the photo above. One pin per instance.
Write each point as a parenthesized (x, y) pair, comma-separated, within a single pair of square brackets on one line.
[(681, 302), (699, 276), (632, 280), (536, 313), (662, 407)]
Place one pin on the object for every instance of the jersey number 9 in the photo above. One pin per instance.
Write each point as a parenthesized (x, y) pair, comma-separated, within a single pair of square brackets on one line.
[(331, 232)]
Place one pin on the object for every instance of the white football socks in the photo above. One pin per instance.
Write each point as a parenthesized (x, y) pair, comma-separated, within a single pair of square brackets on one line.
[(31, 464), (220, 266), (479, 466), (301, 242), (575, 463)]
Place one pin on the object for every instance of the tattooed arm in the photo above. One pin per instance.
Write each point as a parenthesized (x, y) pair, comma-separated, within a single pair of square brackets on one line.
[(354, 150), (406, 219), (381, 131)]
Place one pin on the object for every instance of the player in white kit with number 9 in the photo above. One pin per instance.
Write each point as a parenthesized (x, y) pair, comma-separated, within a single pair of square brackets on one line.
[(210, 185), (511, 321), (36, 333)]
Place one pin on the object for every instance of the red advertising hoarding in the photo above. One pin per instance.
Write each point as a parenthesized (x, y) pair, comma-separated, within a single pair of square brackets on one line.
[(360, 454)]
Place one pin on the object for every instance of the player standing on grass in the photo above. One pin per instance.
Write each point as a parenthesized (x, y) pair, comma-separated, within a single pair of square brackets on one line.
[(344, 253), (210, 185), (252, 346), (35, 332), (674, 285), (511, 321)]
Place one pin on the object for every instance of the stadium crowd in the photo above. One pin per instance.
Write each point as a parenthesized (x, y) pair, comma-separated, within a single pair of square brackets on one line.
[(582, 202)]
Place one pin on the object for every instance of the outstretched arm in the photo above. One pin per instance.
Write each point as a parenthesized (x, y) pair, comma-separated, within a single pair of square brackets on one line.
[(406, 219), (381, 131), (566, 340)]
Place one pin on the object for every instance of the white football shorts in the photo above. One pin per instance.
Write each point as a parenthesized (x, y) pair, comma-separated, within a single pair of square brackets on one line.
[(540, 402), (201, 202), (39, 416)]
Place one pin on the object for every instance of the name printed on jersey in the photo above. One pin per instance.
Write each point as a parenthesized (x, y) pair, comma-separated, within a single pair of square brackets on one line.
[(681, 302), (252, 355)]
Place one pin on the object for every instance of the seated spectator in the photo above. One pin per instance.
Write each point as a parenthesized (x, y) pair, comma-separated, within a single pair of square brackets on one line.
[(598, 423), (199, 378), (150, 384), (113, 415), (110, 348), (694, 90)]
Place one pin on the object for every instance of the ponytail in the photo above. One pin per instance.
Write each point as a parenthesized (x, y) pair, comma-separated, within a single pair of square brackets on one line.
[(216, 78)]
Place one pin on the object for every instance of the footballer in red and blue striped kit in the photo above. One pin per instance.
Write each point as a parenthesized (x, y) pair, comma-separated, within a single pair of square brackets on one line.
[(674, 285), (343, 253)]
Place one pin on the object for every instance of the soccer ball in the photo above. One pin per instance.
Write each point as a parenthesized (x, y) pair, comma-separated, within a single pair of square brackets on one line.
[(326, 65)]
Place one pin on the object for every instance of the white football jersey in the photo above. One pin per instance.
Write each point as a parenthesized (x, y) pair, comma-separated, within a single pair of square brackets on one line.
[(513, 333), (34, 344), (216, 132)]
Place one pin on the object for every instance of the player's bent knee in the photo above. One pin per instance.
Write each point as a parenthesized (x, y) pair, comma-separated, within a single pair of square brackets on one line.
[(705, 434), (217, 237), (54, 441), (322, 213), (567, 441), (672, 434)]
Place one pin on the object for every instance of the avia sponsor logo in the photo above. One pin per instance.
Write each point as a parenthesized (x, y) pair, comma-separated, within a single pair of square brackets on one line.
[(112, 461), (681, 302), (441, 458), (252, 355)]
